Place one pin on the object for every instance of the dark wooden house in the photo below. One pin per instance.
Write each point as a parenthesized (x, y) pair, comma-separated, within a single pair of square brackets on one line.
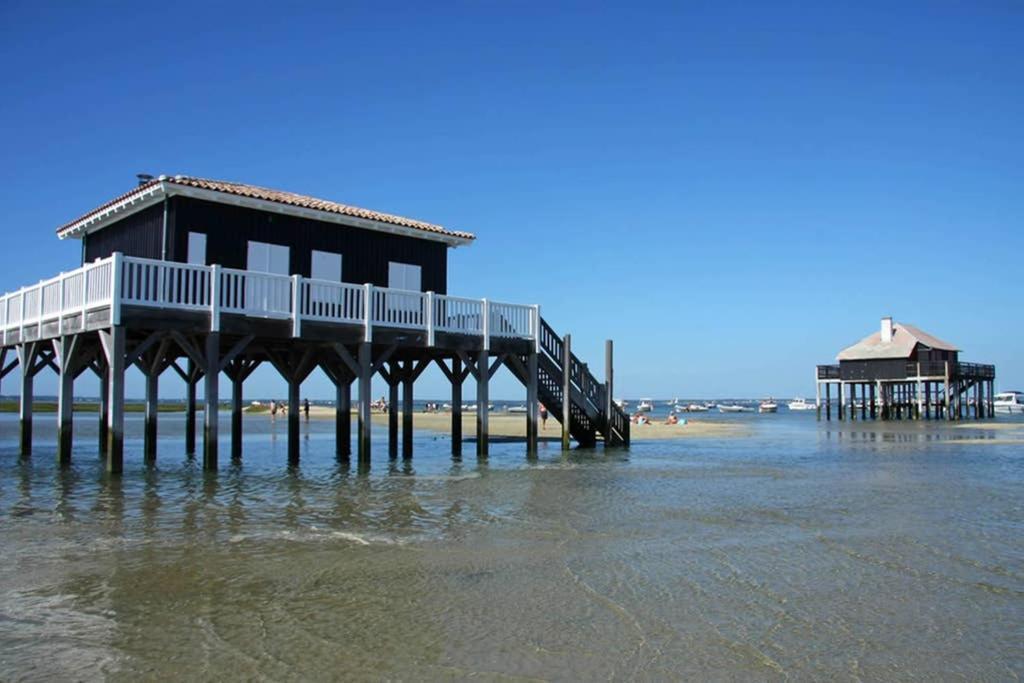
[(201, 221), (903, 371), (212, 278)]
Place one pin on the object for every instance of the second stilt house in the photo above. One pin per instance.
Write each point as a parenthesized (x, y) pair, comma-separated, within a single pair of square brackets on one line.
[(902, 371), (205, 277)]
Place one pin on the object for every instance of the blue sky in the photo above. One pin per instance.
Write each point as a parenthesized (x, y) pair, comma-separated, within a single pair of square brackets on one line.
[(732, 192)]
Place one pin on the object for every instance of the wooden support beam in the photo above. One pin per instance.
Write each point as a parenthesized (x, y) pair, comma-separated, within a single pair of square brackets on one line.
[(295, 368), (102, 371), (457, 375), (392, 379), (482, 400), (68, 351), (190, 407), (566, 389), (238, 369), (341, 376), (364, 376), (26, 359), (408, 380), (532, 403), (113, 343), (211, 400)]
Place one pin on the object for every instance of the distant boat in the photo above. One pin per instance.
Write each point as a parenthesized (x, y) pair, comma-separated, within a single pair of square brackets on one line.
[(517, 409), (800, 404), (622, 404), (646, 406), (710, 405), (769, 406), (722, 408), (692, 408), (673, 402), (1009, 402)]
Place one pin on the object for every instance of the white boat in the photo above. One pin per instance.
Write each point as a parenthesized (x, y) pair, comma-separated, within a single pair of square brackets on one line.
[(710, 405), (517, 409), (674, 402), (769, 406), (800, 403), (692, 408), (622, 403), (1009, 402), (723, 408), (646, 406)]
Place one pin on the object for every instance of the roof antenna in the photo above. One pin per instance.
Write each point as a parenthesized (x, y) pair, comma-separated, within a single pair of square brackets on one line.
[(143, 178)]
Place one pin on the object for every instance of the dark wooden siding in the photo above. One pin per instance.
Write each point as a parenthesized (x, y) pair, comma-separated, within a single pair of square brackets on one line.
[(365, 253), (140, 234), (887, 368)]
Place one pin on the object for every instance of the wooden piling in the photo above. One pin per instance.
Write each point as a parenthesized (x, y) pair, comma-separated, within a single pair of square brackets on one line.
[(408, 380), (365, 362), (532, 406), (190, 407), (26, 360), (566, 389), (294, 408), (150, 424), (104, 408), (211, 400), (483, 367), (66, 351), (456, 380), (343, 419), (113, 342), (393, 399)]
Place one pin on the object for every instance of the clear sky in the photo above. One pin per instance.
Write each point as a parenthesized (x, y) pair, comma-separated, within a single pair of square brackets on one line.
[(733, 192)]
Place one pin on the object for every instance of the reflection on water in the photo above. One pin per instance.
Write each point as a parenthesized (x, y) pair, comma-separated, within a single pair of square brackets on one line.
[(850, 551)]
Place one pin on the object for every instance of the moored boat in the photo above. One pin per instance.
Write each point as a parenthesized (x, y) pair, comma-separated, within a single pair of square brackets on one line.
[(769, 406), (1009, 402), (800, 403), (726, 408), (646, 406)]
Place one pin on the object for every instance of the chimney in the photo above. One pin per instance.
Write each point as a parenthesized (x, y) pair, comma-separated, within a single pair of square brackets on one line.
[(886, 330)]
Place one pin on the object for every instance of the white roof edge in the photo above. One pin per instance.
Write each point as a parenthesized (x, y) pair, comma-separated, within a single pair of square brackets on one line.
[(158, 191)]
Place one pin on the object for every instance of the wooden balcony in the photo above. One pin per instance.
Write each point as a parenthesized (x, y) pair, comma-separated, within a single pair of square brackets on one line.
[(115, 290)]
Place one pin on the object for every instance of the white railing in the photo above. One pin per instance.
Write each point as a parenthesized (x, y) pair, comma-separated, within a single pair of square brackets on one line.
[(333, 302), (189, 287), (251, 293), (74, 293)]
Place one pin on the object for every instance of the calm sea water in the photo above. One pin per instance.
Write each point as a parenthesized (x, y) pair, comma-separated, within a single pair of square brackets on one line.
[(862, 552)]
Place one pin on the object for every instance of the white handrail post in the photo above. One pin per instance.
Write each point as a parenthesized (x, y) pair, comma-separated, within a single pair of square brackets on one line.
[(21, 318), (85, 294), (536, 327), (367, 315), (486, 325), (296, 300), (430, 319), (60, 304), (215, 298), (115, 287)]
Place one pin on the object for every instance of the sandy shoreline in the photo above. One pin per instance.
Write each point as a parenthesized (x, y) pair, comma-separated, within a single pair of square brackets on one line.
[(514, 426)]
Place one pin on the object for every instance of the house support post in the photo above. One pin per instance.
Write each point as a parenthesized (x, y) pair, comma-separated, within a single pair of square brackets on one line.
[(103, 372), (113, 342), (67, 351), (407, 387), (566, 389), (26, 360), (150, 426), (236, 416), (456, 379), (532, 407), (294, 407), (190, 407), (874, 413), (483, 366), (365, 361), (828, 401), (211, 400), (853, 402), (842, 400), (393, 381), (817, 395), (343, 419)]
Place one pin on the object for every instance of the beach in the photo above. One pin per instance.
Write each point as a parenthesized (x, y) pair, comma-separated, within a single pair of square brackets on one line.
[(513, 426)]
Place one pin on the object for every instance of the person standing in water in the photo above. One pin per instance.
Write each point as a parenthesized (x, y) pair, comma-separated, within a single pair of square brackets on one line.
[(305, 408), (273, 411), (543, 417)]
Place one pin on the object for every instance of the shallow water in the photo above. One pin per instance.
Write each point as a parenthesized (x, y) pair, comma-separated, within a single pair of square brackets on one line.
[(862, 552)]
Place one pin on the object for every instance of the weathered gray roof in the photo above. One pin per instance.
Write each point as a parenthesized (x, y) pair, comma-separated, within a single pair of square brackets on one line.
[(904, 339)]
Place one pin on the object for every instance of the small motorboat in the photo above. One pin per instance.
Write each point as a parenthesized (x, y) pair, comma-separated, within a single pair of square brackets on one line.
[(800, 404), (725, 408), (691, 408), (646, 406), (1009, 402), (769, 406), (517, 409)]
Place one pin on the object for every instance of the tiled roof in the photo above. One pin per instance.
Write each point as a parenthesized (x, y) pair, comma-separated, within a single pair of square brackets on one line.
[(904, 339), (277, 196)]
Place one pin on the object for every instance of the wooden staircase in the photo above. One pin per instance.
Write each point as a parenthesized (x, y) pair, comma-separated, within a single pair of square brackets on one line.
[(591, 410)]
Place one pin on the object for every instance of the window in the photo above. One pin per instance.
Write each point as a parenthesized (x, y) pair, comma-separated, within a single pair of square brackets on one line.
[(196, 248), (267, 258), (325, 266), (404, 276)]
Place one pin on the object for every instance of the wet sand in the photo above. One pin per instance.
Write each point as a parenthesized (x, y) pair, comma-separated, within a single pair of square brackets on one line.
[(506, 426)]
